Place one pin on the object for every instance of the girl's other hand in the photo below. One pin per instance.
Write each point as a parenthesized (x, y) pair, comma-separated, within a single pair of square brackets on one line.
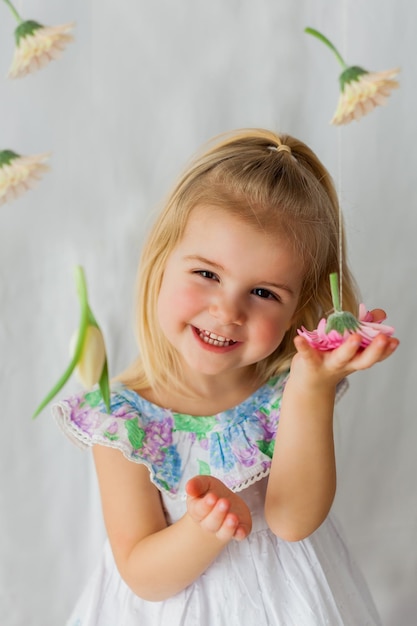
[(217, 509)]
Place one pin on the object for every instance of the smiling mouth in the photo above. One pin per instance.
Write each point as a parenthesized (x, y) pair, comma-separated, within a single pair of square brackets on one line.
[(213, 339)]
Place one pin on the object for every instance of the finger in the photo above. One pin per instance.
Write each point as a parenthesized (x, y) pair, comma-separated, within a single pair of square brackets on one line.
[(382, 347), (197, 486), (340, 357), (241, 532), (392, 345), (200, 508), (378, 315), (213, 521), (378, 350), (229, 528), (301, 344), (305, 350)]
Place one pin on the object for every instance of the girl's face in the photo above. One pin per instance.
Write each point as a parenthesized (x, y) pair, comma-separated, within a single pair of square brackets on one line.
[(228, 294)]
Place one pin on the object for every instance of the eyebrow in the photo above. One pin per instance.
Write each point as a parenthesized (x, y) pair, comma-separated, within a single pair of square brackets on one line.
[(204, 261)]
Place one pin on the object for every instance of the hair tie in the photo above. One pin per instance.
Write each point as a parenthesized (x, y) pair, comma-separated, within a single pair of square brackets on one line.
[(281, 148)]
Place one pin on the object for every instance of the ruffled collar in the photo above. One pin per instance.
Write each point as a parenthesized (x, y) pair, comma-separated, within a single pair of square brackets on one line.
[(235, 445)]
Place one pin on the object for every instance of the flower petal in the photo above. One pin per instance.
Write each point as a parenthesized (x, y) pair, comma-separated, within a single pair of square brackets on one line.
[(368, 330), (360, 96), (37, 49), (93, 356), (21, 174)]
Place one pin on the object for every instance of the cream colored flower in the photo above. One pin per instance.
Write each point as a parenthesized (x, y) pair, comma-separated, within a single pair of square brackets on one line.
[(37, 45), (90, 365), (88, 352), (361, 91), (362, 94), (19, 173)]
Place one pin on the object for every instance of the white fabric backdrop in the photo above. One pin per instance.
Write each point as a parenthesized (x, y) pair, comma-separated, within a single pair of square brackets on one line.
[(142, 86)]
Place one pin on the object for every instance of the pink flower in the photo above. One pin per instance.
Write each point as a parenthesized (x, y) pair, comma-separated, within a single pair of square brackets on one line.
[(367, 329)]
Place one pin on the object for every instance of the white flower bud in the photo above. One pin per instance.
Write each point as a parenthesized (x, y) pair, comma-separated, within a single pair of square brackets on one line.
[(93, 357)]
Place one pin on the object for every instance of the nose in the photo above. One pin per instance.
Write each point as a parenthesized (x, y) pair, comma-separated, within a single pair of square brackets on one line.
[(227, 309)]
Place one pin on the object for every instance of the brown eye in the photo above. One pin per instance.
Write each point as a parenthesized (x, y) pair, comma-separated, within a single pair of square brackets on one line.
[(265, 294), (207, 274)]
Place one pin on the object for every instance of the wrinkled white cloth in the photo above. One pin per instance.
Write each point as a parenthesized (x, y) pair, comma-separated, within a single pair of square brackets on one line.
[(260, 581)]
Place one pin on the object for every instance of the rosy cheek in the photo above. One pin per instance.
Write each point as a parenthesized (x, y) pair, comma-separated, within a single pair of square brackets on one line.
[(187, 298), (271, 332), (180, 304)]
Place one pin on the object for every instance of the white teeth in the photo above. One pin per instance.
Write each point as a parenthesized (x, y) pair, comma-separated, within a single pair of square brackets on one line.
[(218, 337), (215, 340)]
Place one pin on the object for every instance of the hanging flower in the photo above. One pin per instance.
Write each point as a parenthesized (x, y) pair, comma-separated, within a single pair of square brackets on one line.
[(361, 91), (323, 340), (19, 173), (36, 44), (334, 331), (92, 358), (363, 94), (88, 351)]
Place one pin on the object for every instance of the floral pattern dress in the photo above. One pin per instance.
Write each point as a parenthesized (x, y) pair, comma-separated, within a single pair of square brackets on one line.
[(262, 580)]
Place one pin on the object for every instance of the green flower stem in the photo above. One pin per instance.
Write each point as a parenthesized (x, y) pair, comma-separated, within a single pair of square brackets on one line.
[(13, 10), (82, 294), (104, 385), (341, 321), (334, 288), (323, 39), (91, 321), (86, 319), (82, 331)]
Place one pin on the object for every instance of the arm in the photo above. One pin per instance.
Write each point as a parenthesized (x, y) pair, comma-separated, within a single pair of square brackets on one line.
[(302, 481), (156, 560)]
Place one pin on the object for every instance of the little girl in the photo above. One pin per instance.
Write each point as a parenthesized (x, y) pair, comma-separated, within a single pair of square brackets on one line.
[(216, 465)]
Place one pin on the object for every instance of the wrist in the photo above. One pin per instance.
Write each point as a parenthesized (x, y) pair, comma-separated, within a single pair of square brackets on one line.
[(317, 386)]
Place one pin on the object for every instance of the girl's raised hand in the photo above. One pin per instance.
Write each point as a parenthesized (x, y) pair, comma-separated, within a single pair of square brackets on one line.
[(217, 509), (336, 364)]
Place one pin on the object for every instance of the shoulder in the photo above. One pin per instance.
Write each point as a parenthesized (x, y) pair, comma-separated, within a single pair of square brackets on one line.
[(142, 431), (85, 416), (85, 420)]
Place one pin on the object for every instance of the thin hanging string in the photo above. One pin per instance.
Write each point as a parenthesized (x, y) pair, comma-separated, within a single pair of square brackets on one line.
[(340, 164), (339, 195)]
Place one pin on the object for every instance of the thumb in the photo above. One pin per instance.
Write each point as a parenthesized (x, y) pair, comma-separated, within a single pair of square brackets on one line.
[(197, 486), (304, 349)]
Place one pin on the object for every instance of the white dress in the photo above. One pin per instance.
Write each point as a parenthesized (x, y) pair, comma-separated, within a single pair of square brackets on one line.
[(262, 580)]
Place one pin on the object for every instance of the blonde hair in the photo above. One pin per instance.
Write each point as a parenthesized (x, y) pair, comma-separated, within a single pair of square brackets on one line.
[(277, 184)]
